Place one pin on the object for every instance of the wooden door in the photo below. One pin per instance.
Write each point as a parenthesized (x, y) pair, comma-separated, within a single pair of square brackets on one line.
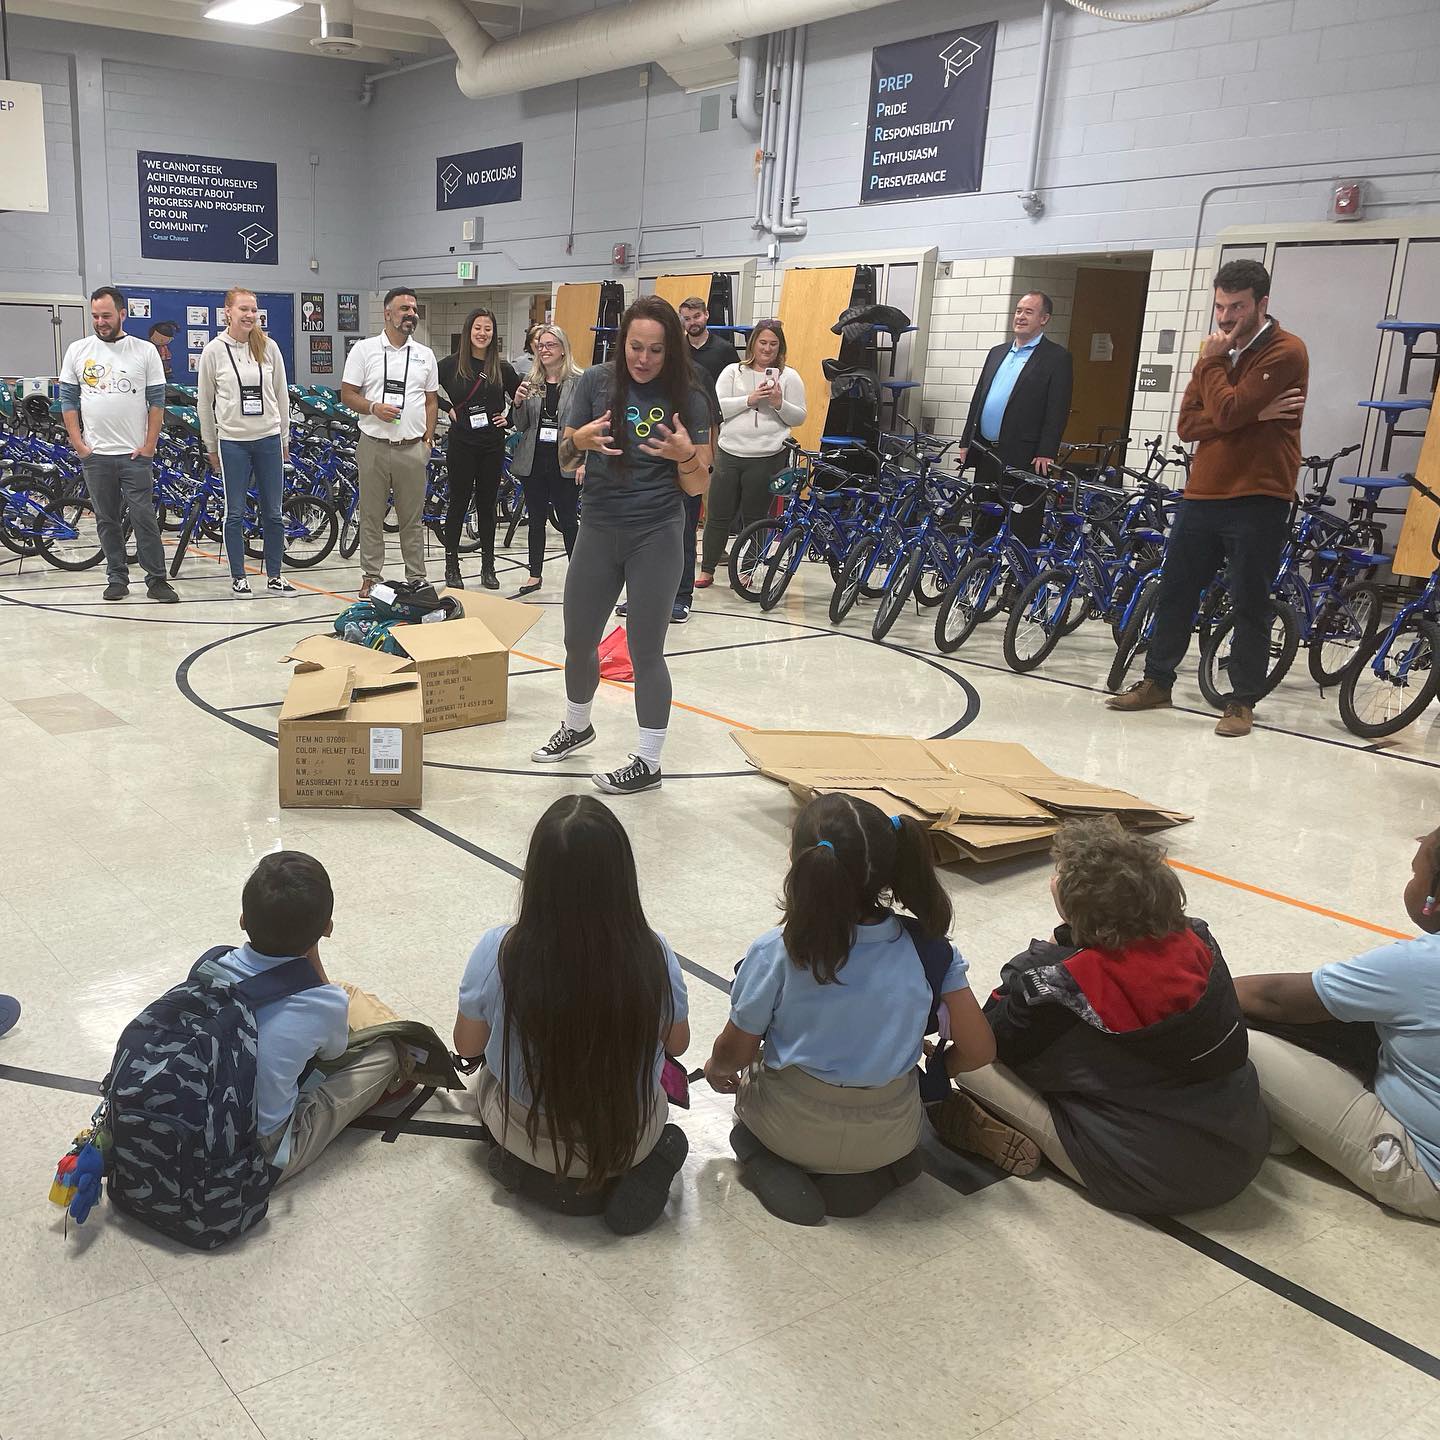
[(577, 308), (678, 288), (1105, 326), (810, 303)]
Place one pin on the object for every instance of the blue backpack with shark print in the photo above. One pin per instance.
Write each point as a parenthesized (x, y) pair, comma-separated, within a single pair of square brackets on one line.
[(185, 1155)]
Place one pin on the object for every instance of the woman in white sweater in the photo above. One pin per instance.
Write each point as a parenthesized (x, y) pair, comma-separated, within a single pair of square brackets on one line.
[(760, 402), (245, 423)]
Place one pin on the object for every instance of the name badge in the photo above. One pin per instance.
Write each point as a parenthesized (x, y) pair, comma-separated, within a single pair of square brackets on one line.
[(252, 402), (478, 418), (394, 392), (548, 434)]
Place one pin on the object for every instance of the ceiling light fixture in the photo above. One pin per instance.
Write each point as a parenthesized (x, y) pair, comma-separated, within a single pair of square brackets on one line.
[(251, 12)]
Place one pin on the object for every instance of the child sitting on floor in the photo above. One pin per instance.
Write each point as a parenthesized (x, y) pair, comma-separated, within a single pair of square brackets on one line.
[(1121, 1047), (829, 1012), (573, 1008)]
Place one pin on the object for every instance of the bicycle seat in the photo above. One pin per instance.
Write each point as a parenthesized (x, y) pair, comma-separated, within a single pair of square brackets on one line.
[(1355, 556), (990, 507)]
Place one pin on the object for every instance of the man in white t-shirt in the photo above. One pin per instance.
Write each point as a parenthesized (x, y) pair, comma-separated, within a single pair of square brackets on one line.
[(112, 399), (392, 382)]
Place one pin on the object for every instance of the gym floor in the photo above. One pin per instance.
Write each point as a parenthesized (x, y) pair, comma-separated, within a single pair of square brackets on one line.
[(394, 1290)]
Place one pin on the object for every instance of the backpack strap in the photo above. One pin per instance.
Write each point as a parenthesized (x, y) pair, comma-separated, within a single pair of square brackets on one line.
[(278, 982), (935, 956)]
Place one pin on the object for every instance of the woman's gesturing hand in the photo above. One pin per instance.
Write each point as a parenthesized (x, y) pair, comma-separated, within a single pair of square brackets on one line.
[(596, 436), (674, 442)]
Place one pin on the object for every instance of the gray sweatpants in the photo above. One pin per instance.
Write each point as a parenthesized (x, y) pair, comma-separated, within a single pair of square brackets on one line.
[(646, 564), (117, 484)]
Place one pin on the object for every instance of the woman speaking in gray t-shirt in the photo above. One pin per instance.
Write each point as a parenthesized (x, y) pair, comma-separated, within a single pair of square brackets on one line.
[(640, 424)]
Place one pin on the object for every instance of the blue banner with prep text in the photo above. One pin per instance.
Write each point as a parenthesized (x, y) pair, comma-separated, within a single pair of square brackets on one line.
[(479, 177), (204, 207), (928, 110)]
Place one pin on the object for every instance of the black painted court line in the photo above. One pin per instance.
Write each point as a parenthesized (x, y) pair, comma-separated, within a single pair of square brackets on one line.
[(48, 1081), (1317, 1305)]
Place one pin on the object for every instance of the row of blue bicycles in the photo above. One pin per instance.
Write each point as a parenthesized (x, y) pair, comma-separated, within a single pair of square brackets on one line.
[(909, 531)]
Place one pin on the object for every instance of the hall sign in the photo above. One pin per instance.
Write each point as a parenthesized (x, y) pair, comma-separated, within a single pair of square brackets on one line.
[(928, 109), (202, 207), (23, 183), (479, 177)]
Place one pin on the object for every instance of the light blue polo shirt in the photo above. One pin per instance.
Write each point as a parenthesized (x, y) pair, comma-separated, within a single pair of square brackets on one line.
[(482, 997), (867, 1028), (992, 413), (1397, 987), (290, 1033)]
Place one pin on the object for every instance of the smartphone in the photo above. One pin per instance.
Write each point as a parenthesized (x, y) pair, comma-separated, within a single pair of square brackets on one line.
[(770, 375)]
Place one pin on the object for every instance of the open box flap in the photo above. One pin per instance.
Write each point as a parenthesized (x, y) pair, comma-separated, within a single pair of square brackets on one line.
[(333, 651), (318, 690), (447, 639), (508, 620)]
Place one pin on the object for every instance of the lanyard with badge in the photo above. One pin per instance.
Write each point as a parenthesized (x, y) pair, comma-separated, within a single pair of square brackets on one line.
[(252, 397), (549, 431), (392, 392)]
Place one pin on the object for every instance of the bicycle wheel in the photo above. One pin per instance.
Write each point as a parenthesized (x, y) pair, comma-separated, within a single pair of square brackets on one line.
[(311, 529), (782, 567), (887, 547), (930, 588), (24, 501), (962, 608), (68, 536), (750, 557), (350, 534), (897, 592), (1284, 640), (1134, 634), (1039, 617), (1394, 681), (852, 577), (1344, 630)]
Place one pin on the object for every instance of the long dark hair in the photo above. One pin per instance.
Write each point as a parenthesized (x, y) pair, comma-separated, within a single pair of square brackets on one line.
[(847, 860), (465, 356), (587, 992), (677, 373)]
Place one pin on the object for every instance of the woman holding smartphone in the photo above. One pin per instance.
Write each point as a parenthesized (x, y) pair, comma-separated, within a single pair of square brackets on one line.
[(761, 401)]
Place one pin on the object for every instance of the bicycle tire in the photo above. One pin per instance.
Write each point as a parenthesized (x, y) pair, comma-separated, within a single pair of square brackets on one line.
[(847, 589), (19, 531), (1052, 625), (1350, 619), (931, 585), (887, 547), (1420, 655), (897, 592), (349, 535), (66, 553), (311, 530), (750, 557), (1134, 635), (1214, 685), (783, 565), (967, 596)]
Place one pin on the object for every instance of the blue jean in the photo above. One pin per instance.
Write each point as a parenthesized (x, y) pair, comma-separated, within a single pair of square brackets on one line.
[(257, 462), (685, 595)]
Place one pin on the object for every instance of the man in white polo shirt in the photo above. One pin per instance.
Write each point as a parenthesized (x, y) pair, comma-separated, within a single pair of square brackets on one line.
[(391, 381), (112, 400)]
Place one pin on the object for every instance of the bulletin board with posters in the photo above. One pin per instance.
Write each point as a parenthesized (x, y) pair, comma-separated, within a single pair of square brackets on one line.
[(198, 316)]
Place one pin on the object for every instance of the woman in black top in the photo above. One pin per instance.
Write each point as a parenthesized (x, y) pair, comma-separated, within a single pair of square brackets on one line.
[(479, 386)]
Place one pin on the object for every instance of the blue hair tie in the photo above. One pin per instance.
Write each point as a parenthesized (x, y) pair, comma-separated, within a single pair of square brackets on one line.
[(895, 821), (825, 845)]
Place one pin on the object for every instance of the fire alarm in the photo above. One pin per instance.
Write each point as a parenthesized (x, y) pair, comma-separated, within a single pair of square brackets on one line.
[(620, 254), (1348, 200)]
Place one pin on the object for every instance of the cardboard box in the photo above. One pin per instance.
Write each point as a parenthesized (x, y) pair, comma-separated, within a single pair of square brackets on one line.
[(351, 739), (981, 799), (463, 663)]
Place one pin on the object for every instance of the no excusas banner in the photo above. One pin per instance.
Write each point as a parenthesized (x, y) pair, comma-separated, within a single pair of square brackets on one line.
[(202, 207), (479, 177), (929, 104)]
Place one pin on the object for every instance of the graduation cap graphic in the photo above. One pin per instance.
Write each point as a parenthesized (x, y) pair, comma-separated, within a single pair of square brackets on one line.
[(450, 178), (255, 238), (958, 57)]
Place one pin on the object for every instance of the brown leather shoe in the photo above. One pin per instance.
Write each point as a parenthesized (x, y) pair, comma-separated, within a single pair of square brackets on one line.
[(1237, 720), (1142, 695), (964, 1125), (365, 585)]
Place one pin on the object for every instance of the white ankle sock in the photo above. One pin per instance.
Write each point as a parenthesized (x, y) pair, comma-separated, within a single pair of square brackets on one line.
[(649, 745), (577, 717)]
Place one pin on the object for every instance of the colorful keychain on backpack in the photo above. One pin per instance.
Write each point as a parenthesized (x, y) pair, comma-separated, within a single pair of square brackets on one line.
[(76, 1186)]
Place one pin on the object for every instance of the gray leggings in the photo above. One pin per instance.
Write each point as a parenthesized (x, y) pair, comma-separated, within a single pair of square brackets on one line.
[(646, 564), (737, 483)]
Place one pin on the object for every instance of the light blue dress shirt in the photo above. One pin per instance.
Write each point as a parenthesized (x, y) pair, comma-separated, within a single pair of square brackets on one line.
[(1002, 386)]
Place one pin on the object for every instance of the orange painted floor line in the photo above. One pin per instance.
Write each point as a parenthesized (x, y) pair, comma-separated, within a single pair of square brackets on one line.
[(1291, 900)]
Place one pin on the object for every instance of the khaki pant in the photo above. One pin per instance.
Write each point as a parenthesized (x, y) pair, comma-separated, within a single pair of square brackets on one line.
[(1335, 1117), (387, 470), (543, 1155), (1006, 1096), (830, 1129)]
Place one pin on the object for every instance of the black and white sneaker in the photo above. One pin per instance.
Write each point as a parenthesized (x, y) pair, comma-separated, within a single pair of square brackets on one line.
[(279, 585), (241, 588), (562, 743), (629, 779)]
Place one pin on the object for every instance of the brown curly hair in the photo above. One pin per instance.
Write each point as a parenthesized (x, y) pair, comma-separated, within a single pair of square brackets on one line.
[(1114, 886)]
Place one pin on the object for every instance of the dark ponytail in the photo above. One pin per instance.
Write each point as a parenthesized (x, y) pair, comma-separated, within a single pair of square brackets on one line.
[(847, 859)]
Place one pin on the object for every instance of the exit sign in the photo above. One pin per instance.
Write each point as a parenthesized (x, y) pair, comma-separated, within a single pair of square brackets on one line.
[(464, 269), (1155, 377)]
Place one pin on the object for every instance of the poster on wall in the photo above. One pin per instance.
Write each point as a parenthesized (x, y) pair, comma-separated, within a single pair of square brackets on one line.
[(23, 181), (162, 316), (351, 341), (201, 207), (312, 311), (347, 310), (322, 355), (479, 177), (928, 109)]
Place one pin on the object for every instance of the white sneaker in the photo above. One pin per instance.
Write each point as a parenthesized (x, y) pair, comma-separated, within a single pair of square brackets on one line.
[(279, 585), (240, 589)]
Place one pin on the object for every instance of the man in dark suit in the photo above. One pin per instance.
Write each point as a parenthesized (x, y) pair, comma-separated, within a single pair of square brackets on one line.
[(1019, 411)]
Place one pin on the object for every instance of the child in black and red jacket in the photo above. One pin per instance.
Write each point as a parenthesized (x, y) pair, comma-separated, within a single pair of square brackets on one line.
[(1121, 1050)]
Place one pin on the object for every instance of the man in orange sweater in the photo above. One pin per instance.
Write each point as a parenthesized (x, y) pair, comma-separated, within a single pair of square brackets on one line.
[(1242, 409)]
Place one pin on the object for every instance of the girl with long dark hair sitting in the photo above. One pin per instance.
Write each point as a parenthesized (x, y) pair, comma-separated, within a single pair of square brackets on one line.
[(573, 1008), (829, 1012), (640, 425)]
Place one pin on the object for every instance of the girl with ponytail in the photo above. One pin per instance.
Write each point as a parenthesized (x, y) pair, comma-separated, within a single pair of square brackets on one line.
[(829, 1011)]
